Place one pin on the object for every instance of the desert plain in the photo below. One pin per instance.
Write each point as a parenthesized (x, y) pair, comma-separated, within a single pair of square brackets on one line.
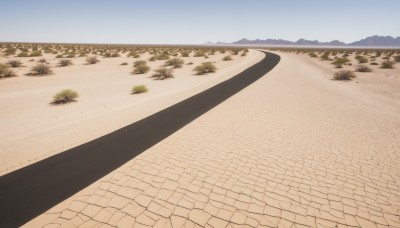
[(297, 148)]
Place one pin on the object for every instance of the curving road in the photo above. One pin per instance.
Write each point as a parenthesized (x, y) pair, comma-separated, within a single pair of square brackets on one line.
[(30, 191)]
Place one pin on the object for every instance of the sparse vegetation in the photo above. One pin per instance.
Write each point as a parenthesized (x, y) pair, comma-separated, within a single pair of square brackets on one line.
[(35, 54), (23, 54), (41, 69), (65, 96), (42, 61), (363, 68), (139, 89), (339, 62), (397, 58), (14, 63), (344, 75), (6, 72), (361, 59), (92, 60), (206, 67), (175, 62), (124, 64), (312, 55), (163, 73), (227, 58), (139, 62), (387, 65), (141, 69), (64, 62)]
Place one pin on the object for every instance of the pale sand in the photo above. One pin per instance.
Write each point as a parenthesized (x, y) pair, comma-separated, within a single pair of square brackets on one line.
[(292, 148), (31, 129)]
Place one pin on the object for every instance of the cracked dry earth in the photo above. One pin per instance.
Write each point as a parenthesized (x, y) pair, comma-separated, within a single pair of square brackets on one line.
[(291, 150)]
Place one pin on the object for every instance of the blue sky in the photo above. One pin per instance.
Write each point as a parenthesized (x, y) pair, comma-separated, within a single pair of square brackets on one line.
[(194, 22)]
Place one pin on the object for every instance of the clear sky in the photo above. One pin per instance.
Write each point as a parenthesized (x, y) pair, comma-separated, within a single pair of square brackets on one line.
[(194, 22)]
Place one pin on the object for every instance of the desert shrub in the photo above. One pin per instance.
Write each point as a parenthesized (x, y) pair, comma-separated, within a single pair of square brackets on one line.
[(190, 63), (363, 68), (387, 65), (163, 73), (35, 54), (325, 56), (139, 89), (59, 56), (244, 53), (312, 55), (235, 52), (175, 62), (206, 67), (42, 61), (92, 60), (361, 59), (124, 64), (65, 96), (23, 54), (139, 62), (373, 63), (41, 69), (162, 56), (64, 62), (185, 54), (134, 55), (140, 69), (199, 54), (14, 63), (344, 75), (10, 51), (397, 58), (227, 58), (339, 62), (152, 58), (70, 55), (115, 54), (6, 72)]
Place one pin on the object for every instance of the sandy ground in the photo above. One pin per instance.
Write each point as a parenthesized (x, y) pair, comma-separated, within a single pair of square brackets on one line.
[(31, 129), (380, 85), (294, 148)]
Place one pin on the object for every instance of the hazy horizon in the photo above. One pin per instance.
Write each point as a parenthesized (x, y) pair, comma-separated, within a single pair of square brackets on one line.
[(183, 22)]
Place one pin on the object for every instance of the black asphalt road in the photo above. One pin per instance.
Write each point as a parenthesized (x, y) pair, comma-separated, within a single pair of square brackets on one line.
[(30, 191)]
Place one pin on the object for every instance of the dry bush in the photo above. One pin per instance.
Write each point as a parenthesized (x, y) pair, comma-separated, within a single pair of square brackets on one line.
[(388, 65), (14, 63), (373, 63), (64, 62), (344, 75), (139, 89), (35, 54), (397, 58), (41, 69), (139, 62), (140, 69), (206, 67), (312, 55), (124, 64), (65, 96), (163, 73), (175, 62), (339, 62), (363, 68), (6, 72), (42, 61), (23, 54), (227, 58), (361, 59), (92, 60)]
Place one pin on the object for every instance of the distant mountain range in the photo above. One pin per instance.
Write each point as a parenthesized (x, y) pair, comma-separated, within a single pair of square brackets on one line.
[(376, 41)]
